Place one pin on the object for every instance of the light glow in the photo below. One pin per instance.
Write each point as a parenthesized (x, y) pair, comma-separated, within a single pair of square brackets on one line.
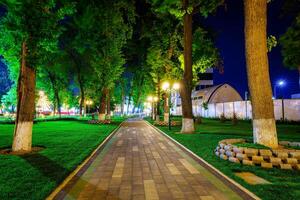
[(165, 85), (176, 86)]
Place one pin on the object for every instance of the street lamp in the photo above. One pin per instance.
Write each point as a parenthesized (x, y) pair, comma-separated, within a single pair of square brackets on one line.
[(280, 83), (169, 88)]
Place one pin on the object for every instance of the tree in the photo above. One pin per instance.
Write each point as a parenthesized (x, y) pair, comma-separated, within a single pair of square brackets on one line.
[(264, 127), (290, 40), (184, 11), (31, 28)]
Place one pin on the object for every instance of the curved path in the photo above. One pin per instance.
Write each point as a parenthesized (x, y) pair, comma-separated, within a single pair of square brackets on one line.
[(138, 162)]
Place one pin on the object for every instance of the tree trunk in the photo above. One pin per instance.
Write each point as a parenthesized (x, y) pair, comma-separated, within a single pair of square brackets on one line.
[(22, 139), (166, 108), (123, 100), (186, 90), (82, 96), (56, 93), (264, 127), (158, 102), (108, 105), (102, 108)]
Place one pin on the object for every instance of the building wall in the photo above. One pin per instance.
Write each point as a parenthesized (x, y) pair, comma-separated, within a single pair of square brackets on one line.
[(287, 108)]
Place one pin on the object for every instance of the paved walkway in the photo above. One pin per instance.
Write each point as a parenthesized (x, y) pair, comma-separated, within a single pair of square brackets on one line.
[(140, 163)]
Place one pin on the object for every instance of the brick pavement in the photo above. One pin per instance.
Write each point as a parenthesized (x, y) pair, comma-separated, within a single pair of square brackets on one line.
[(140, 163)]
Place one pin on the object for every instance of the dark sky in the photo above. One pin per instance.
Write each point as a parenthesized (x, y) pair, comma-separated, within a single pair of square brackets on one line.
[(229, 25)]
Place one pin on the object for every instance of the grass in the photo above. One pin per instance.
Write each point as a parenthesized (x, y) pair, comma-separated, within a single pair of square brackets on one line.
[(285, 184), (67, 144)]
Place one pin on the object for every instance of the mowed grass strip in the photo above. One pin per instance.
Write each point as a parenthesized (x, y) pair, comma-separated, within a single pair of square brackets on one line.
[(67, 144), (285, 183)]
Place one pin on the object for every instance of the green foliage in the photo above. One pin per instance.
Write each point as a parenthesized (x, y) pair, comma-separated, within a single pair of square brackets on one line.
[(271, 42), (290, 42)]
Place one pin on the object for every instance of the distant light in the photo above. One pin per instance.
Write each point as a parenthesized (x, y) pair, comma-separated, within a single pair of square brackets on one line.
[(281, 83), (155, 99), (176, 86), (150, 98), (165, 85)]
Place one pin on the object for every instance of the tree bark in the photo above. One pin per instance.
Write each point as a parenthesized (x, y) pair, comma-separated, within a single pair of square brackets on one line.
[(158, 102), (108, 116), (82, 95), (264, 127), (166, 107), (56, 93), (22, 140), (103, 101), (186, 89)]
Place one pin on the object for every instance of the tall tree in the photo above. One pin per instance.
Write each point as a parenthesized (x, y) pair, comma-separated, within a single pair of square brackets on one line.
[(31, 28), (264, 127), (184, 11)]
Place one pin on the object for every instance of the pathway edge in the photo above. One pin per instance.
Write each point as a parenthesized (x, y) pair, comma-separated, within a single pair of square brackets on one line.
[(224, 178), (81, 165)]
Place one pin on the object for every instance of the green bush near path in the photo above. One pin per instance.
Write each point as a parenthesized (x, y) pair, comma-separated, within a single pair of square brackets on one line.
[(285, 183), (67, 144)]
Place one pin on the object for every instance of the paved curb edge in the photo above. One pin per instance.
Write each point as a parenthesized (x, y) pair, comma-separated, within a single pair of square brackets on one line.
[(80, 166), (245, 193)]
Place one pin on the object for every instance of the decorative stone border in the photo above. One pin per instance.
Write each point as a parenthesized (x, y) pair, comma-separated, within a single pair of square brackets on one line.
[(163, 123), (266, 158), (107, 121)]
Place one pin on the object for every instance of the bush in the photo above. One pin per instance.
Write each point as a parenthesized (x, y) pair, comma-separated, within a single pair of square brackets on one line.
[(223, 118), (234, 119)]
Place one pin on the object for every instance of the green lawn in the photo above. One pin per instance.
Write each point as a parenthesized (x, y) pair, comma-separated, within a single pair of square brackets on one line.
[(285, 184), (67, 144)]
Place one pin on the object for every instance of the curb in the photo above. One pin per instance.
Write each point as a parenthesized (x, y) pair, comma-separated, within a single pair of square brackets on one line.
[(242, 191), (78, 169)]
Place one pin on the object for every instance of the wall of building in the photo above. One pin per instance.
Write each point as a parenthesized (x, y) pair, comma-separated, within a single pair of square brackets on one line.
[(289, 109)]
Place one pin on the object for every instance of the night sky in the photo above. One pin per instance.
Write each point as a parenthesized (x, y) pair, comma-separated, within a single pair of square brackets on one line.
[(229, 25)]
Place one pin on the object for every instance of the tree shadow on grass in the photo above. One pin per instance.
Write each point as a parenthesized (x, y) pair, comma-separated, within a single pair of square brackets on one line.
[(46, 166)]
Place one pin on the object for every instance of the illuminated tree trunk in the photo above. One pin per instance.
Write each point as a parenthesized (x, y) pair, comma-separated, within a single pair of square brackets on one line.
[(166, 107), (102, 108), (82, 96), (22, 139), (264, 127), (108, 116), (158, 102), (123, 99), (58, 102), (186, 89), (299, 75)]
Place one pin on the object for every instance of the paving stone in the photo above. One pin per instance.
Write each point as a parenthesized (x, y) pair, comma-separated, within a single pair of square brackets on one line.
[(233, 159), (223, 156), (228, 147), (265, 153), (281, 154), (241, 156), (251, 152), (275, 161), (222, 151), (142, 164), (247, 162), (217, 153), (238, 149), (292, 161), (230, 153), (266, 165), (297, 167), (252, 178), (257, 159), (285, 166), (295, 154)]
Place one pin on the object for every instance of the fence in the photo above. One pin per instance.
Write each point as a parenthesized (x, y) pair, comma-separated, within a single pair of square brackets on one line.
[(287, 109)]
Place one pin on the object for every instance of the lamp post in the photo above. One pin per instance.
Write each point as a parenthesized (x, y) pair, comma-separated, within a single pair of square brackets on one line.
[(280, 83), (170, 88)]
